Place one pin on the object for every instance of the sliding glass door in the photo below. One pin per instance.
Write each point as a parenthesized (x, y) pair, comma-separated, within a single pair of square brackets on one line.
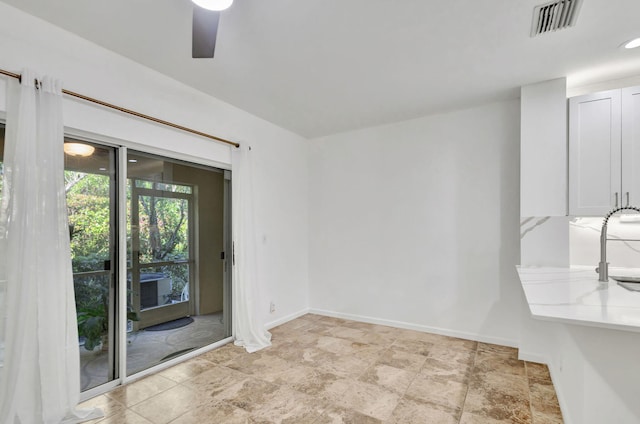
[(176, 220), (177, 288)]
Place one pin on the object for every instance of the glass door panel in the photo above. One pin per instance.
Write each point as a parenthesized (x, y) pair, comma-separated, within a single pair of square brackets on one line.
[(176, 270), (90, 187)]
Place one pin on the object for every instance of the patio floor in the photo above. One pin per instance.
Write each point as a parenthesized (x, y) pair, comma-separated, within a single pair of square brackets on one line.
[(149, 348)]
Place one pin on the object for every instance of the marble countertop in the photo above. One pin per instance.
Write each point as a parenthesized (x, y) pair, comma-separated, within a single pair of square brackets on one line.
[(575, 296)]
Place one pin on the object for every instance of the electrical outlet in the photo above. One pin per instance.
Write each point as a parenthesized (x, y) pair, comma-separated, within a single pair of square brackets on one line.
[(272, 307)]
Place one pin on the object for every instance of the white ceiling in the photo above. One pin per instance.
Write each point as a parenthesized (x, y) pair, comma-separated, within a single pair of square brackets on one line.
[(319, 67)]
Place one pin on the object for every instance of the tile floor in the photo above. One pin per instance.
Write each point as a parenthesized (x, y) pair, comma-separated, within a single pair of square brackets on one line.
[(328, 370)]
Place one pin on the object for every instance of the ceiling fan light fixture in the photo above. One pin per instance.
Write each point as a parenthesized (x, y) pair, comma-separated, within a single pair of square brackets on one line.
[(213, 4), (78, 149), (632, 44)]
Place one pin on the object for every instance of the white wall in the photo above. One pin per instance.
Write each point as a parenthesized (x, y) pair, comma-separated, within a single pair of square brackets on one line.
[(416, 223), (543, 149), (280, 156)]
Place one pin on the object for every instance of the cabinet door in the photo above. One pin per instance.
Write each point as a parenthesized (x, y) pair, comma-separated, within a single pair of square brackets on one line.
[(594, 153), (631, 146)]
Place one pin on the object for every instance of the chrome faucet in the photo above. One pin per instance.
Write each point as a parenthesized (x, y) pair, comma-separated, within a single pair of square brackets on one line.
[(603, 267)]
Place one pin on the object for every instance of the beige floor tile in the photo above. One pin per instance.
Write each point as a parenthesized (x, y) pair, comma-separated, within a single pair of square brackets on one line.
[(371, 353), (460, 344), (302, 354), (126, 417), (219, 412), (223, 354), (447, 393), (411, 411), (215, 383), (333, 321), (491, 362), (295, 373), (402, 359), (322, 386), (437, 339), (444, 352), (373, 328), (510, 352), (138, 391), (257, 362), (369, 399), (250, 395), (337, 415), (499, 396), (347, 366), (361, 335), (541, 418), (295, 324), (288, 406), (403, 334), (391, 378), (345, 333), (289, 350), (341, 346), (304, 339), (544, 400), (538, 372), (108, 406), (379, 339), (319, 327), (469, 418), (412, 346), (168, 405), (187, 370), (442, 370)]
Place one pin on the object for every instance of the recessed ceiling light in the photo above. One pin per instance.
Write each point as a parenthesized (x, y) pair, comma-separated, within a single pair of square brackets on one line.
[(632, 44), (78, 149)]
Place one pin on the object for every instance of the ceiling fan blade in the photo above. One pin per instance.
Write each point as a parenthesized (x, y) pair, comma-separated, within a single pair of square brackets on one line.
[(205, 30)]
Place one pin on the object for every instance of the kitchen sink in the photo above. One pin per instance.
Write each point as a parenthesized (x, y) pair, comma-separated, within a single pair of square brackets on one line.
[(629, 283)]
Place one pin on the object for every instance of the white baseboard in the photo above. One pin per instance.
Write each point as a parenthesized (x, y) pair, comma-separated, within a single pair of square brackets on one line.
[(286, 318), (417, 327), (532, 357)]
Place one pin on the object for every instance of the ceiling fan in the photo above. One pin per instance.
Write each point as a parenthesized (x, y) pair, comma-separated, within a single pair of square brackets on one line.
[(206, 15)]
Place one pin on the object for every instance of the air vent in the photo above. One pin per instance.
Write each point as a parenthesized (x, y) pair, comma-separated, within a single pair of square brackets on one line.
[(554, 16)]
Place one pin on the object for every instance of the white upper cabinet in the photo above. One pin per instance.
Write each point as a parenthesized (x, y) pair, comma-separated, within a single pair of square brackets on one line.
[(631, 145), (596, 152)]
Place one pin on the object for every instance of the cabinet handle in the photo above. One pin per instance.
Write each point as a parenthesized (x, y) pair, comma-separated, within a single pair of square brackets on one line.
[(616, 206), (627, 199)]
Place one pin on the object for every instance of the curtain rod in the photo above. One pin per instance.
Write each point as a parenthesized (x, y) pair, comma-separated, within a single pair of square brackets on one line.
[(132, 112)]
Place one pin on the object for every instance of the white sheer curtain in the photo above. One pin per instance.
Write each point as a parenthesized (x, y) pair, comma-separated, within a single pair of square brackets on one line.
[(248, 327), (40, 373)]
